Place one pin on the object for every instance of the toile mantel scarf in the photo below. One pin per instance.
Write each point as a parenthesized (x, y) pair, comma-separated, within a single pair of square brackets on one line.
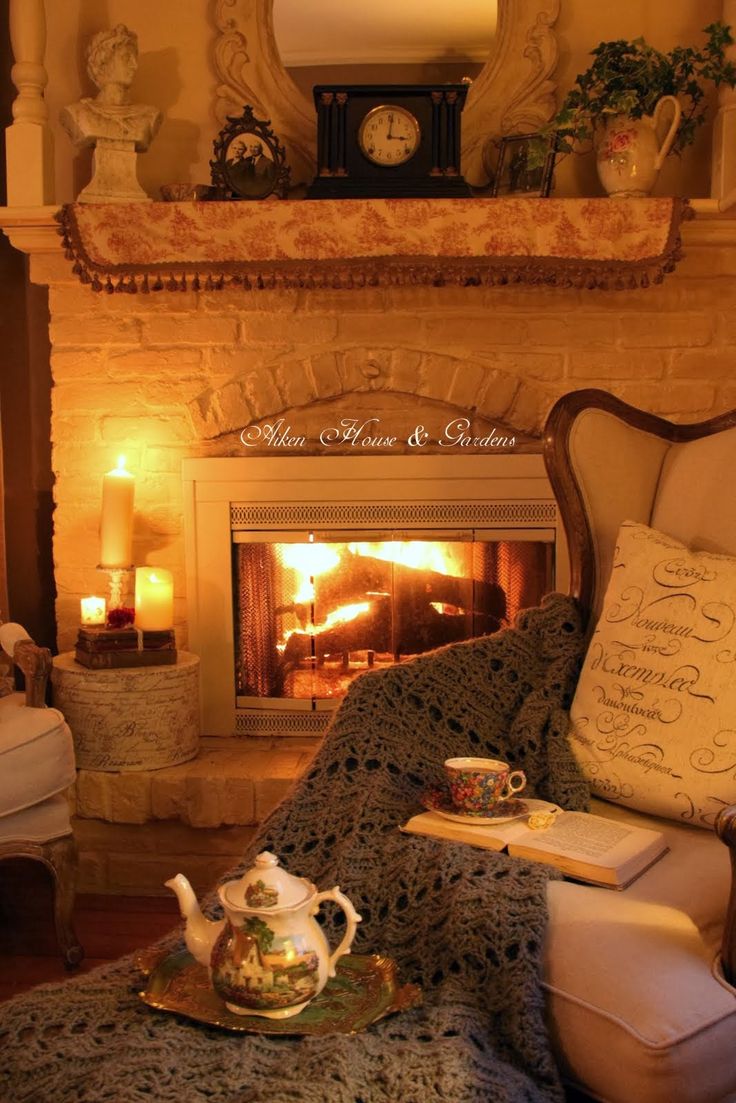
[(608, 244), (466, 924)]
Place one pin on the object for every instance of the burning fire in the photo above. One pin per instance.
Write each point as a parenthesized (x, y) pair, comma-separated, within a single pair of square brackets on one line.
[(343, 615), (420, 554), (315, 613), (308, 561)]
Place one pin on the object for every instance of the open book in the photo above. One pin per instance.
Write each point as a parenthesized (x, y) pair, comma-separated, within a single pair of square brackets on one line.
[(585, 847)]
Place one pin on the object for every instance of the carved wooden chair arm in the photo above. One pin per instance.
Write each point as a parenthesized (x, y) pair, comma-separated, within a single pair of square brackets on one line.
[(35, 663), (726, 829)]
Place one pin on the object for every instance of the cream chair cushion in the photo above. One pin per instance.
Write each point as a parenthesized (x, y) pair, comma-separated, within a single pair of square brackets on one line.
[(638, 1011), (694, 500), (36, 754), (38, 824), (653, 719)]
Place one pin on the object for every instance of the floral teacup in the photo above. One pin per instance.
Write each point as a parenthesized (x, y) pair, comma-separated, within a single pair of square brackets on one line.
[(478, 785)]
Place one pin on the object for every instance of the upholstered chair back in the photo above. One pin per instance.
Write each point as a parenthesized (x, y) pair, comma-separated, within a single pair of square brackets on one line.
[(609, 462)]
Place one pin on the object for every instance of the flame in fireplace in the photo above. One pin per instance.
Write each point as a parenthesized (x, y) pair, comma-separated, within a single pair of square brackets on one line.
[(342, 615), (313, 613), (420, 554), (315, 559), (309, 560)]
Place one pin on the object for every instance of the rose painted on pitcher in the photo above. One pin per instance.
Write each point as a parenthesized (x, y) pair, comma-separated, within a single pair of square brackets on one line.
[(621, 141)]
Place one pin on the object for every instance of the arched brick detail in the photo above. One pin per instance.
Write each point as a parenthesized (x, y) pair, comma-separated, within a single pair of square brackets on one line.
[(267, 391)]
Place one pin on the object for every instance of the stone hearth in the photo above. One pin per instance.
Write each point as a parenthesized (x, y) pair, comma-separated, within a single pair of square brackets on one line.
[(135, 830)]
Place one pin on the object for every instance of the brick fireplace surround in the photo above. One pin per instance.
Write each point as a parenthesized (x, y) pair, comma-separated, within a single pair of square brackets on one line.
[(150, 375)]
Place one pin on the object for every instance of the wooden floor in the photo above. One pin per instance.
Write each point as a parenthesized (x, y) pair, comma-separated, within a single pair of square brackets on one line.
[(107, 927)]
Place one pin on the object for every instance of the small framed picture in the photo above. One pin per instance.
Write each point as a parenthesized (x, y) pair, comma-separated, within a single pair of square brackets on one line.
[(513, 174), (249, 161)]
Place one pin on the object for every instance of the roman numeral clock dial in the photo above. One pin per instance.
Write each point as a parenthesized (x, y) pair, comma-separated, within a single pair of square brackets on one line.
[(390, 140)]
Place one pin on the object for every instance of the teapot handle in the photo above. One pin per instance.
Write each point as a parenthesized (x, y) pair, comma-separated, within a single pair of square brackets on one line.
[(350, 914), (670, 136)]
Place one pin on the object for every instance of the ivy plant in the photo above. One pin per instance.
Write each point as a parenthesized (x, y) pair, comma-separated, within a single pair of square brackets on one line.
[(629, 78)]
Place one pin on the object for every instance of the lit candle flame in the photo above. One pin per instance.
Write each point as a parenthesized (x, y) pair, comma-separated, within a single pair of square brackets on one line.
[(121, 471)]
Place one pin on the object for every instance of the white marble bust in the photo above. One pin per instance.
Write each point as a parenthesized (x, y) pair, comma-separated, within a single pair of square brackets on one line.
[(112, 61), (117, 128)]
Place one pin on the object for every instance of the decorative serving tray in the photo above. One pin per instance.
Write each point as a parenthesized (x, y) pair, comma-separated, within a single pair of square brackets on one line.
[(363, 991)]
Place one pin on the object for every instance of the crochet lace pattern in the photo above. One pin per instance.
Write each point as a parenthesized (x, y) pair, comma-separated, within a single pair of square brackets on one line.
[(468, 925)]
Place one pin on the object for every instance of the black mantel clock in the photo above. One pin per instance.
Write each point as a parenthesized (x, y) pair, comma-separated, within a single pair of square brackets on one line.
[(388, 140)]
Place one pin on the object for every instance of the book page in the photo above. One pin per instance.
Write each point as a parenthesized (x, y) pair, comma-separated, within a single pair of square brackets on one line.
[(589, 838), (491, 837)]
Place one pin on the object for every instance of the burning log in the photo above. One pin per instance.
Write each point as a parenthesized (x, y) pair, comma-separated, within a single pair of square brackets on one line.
[(357, 605), (361, 576), (369, 629), (417, 627)]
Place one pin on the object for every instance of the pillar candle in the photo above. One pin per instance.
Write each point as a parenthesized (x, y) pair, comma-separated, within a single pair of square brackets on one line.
[(93, 610), (154, 599), (116, 521)]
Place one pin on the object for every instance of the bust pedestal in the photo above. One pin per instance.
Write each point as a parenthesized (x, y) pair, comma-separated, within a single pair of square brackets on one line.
[(114, 174), (118, 133)]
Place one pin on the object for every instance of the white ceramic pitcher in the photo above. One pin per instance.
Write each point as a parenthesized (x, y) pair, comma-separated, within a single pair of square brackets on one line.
[(628, 153)]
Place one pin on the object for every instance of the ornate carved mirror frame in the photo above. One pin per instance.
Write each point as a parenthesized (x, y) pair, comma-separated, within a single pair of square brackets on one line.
[(513, 94)]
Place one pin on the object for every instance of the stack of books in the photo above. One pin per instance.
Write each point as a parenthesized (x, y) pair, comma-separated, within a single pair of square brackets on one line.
[(109, 648)]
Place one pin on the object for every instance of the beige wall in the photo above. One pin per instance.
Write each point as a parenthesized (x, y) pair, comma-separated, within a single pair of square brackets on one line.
[(176, 75)]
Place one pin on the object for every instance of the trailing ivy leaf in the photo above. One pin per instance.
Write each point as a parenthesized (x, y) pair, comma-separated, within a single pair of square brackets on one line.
[(629, 78)]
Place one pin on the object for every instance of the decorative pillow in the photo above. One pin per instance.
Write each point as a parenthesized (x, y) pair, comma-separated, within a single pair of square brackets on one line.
[(654, 715)]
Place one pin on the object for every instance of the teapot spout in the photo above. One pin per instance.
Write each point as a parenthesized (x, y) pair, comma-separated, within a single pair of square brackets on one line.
[(199, 933)]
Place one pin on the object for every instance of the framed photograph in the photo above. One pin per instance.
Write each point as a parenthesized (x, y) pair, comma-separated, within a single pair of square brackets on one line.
[(249, 161), (513, 175)]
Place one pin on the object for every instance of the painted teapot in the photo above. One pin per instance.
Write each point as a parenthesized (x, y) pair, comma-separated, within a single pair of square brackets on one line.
[(268, 956)]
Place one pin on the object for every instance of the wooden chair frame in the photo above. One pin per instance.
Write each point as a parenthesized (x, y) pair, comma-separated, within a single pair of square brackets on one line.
[(58, 855), (582, 559)]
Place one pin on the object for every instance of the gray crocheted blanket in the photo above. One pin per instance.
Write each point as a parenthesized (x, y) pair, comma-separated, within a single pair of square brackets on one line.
[(466, 924)]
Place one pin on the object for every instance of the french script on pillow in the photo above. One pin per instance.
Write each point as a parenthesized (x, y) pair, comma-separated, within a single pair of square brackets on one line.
[(654, 714)]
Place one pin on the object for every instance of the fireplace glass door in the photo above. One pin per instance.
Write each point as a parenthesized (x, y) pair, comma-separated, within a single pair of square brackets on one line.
[(311, 611)]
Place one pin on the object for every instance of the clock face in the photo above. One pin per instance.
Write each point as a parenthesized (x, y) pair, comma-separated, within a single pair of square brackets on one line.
[(389, 135)]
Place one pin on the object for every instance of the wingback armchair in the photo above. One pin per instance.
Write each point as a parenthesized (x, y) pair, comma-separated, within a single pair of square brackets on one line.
[(640, 983), (36, 766)]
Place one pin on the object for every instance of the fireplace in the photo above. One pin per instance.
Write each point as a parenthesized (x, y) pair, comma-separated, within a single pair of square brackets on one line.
[(310, 616), (302, 573)]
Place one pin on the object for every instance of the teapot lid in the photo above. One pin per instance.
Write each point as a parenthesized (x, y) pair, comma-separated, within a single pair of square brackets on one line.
[(266, 885)]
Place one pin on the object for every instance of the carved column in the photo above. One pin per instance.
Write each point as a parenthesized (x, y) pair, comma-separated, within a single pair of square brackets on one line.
[(723, 163), (29, 144)]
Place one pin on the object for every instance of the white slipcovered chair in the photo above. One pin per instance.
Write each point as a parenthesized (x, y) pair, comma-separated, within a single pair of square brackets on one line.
[(36, 766), (640, 1004)]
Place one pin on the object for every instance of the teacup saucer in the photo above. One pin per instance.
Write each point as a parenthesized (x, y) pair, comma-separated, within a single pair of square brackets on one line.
[(435, 800)]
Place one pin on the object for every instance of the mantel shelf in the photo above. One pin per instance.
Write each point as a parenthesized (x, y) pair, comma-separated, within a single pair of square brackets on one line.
[(346, 243)]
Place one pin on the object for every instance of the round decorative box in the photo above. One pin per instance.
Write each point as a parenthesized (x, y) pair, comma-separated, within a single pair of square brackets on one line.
[(126, 719)]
